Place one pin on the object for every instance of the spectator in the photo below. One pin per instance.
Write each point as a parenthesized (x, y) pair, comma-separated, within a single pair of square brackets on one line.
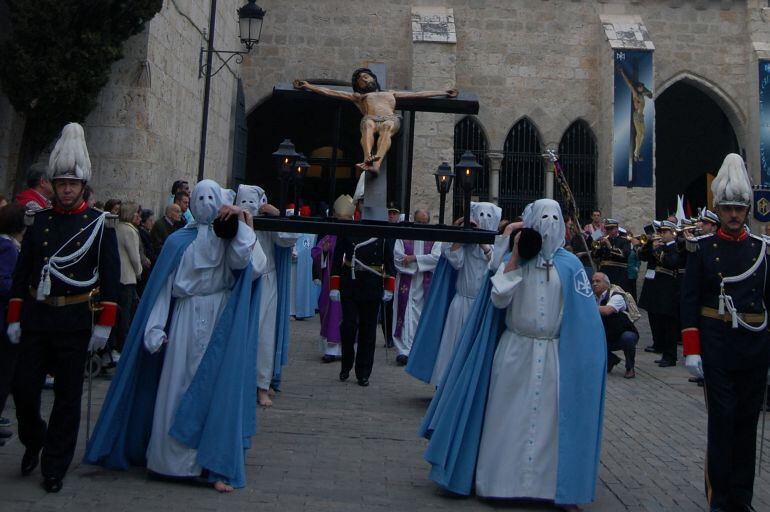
[(595, 229), (112, 206), (98, 205), (11, 231), (182, 199), (3, 201), (130, 269), (181, 186), (39, 191), (88, 196), (619, 329), (165, 226), (146, 221)]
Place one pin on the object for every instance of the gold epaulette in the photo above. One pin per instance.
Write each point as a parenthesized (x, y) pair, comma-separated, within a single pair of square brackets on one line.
[(692, 244), (29, 215)]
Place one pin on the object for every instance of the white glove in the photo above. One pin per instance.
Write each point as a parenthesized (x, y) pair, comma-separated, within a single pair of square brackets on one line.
[(387, 296), (694, 365), (99, 337), (14, 332), (334, 295)]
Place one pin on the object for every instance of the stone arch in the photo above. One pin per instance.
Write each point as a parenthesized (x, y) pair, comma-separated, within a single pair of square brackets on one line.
[(470, 136), (579, 157), (522, 179), (729, 106), (696, 125)]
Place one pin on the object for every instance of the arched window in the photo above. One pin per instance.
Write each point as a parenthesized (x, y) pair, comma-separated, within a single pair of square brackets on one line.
[(522, 178), (469, 136), (579, 157)]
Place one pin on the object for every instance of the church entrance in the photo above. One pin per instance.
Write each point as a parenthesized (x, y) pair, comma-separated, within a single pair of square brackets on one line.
[(692, 137), (312, 129)]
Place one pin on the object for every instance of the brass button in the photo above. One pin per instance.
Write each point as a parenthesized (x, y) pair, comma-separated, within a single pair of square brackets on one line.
[(751, 303), (45, 259), (45, 243), (717, 258), (45, 230), (50, 217), (85, 217), (82, 229), (77, 244)]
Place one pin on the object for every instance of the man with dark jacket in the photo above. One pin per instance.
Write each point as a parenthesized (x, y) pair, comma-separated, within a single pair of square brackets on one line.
[(620, 332)]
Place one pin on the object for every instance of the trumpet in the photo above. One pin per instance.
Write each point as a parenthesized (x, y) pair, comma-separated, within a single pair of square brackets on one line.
[(598, 243)]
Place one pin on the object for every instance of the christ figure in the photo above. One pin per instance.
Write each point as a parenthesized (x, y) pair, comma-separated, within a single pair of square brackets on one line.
[(378, 109), (638, 93)]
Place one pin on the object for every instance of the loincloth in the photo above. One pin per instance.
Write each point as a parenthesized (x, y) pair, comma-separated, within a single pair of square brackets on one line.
[(638, 117), (378, 120)]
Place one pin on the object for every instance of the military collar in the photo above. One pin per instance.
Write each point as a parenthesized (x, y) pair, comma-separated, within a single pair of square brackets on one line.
[(78, 209), (724, 236)]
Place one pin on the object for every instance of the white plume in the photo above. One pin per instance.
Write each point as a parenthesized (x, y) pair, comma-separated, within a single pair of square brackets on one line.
[(70, 154), (732, 182)]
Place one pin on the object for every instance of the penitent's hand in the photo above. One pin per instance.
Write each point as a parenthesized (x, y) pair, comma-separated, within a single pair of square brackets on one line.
[(228, 210), (269, 209), (451, 93), (513, 226), (299, 84)]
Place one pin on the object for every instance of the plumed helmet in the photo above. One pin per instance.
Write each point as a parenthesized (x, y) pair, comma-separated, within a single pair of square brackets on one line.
[(344, 207), (732, 185), (69, 158)]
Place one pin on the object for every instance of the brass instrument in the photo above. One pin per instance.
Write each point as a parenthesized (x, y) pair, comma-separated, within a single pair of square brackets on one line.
[(596, 244)]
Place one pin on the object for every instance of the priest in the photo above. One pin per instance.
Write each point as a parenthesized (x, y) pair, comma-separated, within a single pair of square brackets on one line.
[(415, 261)]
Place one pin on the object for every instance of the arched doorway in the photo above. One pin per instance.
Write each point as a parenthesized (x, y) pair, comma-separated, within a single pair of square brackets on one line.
[(522, 179), (311, 127), (579, 158), (470, 136), (692, 137)]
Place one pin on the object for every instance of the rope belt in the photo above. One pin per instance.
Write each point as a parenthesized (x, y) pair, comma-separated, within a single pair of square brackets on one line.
[(708, 312), (608, 263), (661, 270), (60, 301)]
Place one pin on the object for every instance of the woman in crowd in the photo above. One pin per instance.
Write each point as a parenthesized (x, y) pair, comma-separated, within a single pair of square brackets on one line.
[(130, 269), (146, 221)]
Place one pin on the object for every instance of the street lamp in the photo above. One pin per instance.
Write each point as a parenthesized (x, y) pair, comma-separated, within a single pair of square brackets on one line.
[(298, 175), (465, 172), (444, 176), (250, 18), (285, 157)]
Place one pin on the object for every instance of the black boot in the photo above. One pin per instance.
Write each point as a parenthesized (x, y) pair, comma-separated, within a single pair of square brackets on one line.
[(30, 460)]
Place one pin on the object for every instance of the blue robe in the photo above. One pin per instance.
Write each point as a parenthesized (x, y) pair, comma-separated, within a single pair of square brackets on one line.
[(455, 418), (427, 339), (219, 429), (283, 274), (305, 290)]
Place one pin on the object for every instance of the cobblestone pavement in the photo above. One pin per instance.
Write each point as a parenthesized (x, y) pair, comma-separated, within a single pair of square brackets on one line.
[(328, 445)]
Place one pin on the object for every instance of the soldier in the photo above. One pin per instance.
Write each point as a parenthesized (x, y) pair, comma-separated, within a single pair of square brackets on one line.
[(68, 258), (724, 333), (611, 251), (660, 292), (362, 277)]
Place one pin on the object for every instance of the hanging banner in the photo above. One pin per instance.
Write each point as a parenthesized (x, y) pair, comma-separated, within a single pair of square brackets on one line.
[(764, 122), (634, 116)]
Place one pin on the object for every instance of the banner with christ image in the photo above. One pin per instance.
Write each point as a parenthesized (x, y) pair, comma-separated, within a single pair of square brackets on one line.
[(634, 115)]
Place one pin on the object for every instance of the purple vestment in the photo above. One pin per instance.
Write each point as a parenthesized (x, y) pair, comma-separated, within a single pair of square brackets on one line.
[(331, 312)]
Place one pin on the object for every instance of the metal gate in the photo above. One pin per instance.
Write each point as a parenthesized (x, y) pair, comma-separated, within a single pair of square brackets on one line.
[(522, 177), (579, 157), (469, 136)]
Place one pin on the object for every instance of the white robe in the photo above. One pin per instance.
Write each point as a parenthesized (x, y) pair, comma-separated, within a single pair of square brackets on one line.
[(416, 297), (200, 295), (267, 305), (471, 264), (519, 442)]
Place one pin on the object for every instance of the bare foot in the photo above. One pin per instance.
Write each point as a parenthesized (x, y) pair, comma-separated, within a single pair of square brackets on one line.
[(222, 487), (375, 167), (271, 393), (263, 398), (363, 166)]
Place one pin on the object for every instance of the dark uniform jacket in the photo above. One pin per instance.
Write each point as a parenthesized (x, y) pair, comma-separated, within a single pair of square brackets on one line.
[(720, 344), (661, 294), (617, 323), (48, 233), (614, 261), (366, 286)]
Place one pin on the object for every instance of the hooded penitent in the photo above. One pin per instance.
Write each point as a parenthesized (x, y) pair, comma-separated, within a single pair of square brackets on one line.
[(486, 215), (544, 216), (250, 198)]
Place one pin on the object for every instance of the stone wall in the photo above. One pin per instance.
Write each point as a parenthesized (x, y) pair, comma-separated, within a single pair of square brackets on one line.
[(544, 59)]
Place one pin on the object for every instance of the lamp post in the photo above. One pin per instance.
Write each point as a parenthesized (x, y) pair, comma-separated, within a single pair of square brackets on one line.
[(285, 157), (444, 176), (250, 18), (298, 175), (465, 172)]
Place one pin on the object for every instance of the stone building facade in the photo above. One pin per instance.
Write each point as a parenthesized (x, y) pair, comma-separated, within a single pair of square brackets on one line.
[(546, 62)]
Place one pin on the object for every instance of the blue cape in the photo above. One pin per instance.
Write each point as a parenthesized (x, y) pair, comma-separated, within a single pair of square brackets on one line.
[(283, 277), (218, 429), (427, 339), (455, 418), (306, 291)]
